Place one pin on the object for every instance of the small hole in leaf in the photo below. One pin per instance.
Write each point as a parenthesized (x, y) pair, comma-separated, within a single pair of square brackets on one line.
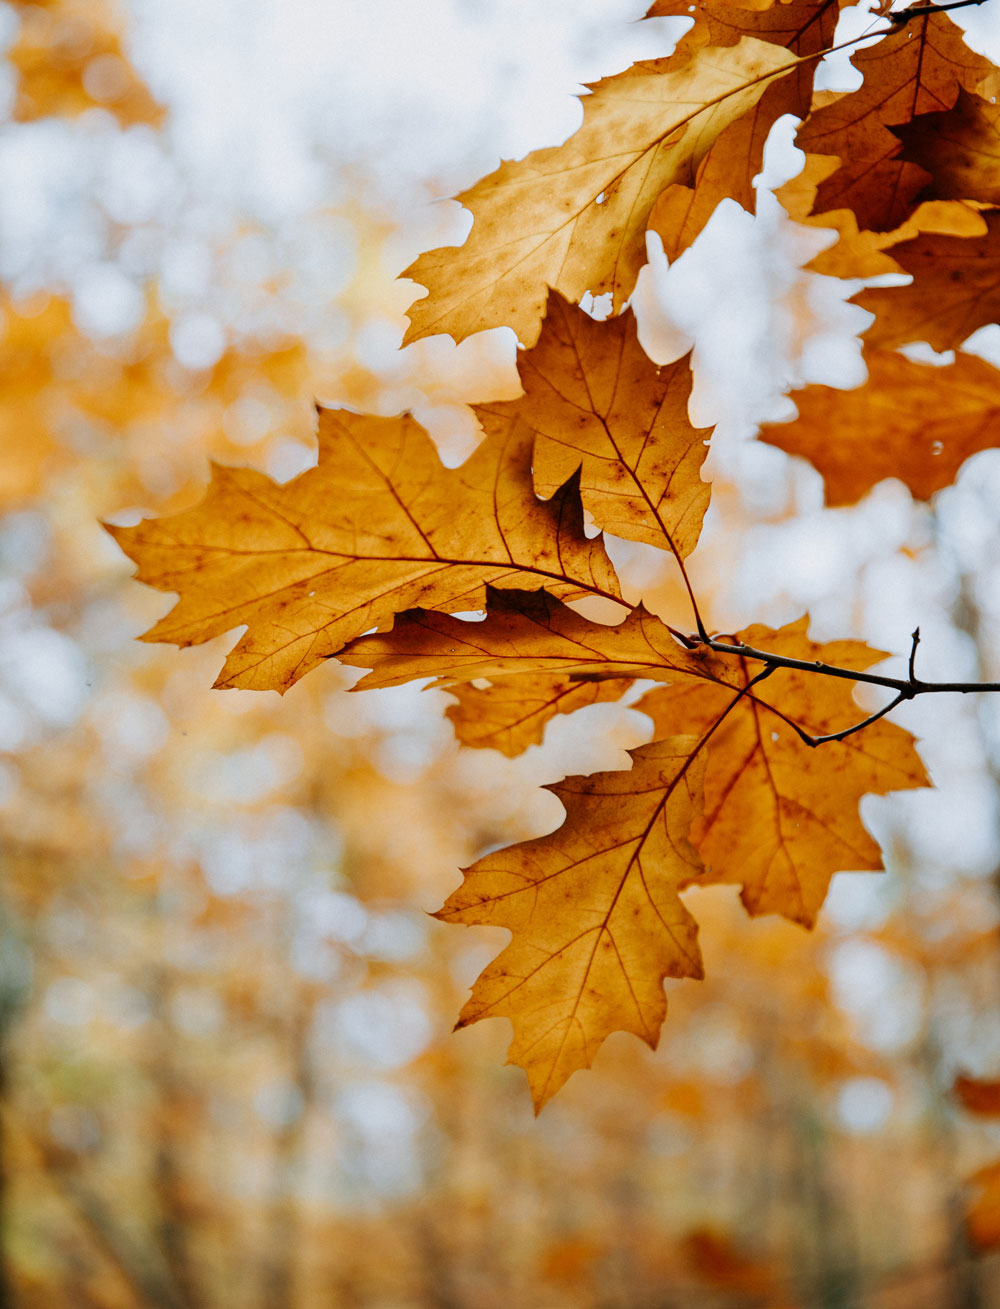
[(937, 447), (775, 736)]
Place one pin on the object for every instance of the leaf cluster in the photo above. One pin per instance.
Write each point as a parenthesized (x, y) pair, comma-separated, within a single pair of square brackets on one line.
[(758, 759)]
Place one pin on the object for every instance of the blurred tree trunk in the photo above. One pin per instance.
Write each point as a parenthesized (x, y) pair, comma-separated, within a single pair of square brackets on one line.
[(6, 1299), (173, 1229), (278, 1283), (15, 970)]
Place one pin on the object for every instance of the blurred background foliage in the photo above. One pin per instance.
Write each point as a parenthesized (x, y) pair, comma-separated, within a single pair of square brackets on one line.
[(228, 1072)]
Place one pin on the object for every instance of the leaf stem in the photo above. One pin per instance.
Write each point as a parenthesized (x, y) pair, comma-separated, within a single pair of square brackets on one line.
[(703, 636)]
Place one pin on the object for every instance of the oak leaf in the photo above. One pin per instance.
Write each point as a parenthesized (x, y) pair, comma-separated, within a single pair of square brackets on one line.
[(574, 216), (895, 425), (511, 713), (595, 915), (959, 149), (527, 632), (781, 817), (955, 290), (860, 253), (803, 27), (377, 527), (916, 70), (597, 403), (540, 657)]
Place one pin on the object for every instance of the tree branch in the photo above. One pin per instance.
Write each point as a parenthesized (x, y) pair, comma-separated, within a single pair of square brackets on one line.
[(906, 688), (921, 11), (913, 654), (833, 736)]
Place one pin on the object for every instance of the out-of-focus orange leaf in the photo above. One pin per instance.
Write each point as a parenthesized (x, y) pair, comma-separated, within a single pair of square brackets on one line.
[(983, 1215), (916, 70), (596, 402), (894, 425), (379, 526), (955, 290), (978, 1097), (715, 1258), (54, 379), (569, 1261), (595, 914), (574, 216), (781, 817)]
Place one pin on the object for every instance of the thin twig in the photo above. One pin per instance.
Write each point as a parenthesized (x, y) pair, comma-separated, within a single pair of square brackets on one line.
[(906, 688), (847, 731), (921, 11), (913, 655)]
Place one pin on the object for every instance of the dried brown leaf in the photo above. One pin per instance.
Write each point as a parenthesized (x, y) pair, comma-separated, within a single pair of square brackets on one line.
[(595, 915), (913, 421), (955, 290), (597, 403), (574, 216), (918, 69), (781, 817), (376, 528)]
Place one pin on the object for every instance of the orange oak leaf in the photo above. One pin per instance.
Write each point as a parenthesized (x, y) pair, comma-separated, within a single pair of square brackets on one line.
[(955, 290), (726, 172), (574, 216), (527, 632), (511, 713), (803, 27), (597, 403), (918, 69), (377, 527), (716, 1258), (595, 915), (781, 816), (959, 148), (860, 253), (895, 425)]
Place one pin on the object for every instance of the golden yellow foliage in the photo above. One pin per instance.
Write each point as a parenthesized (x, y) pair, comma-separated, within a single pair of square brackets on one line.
[(573, 217), (596, 919)]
